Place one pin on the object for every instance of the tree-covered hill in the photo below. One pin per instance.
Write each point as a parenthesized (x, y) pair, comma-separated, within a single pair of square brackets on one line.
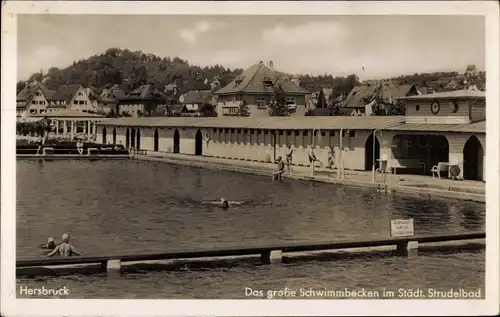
[(133, 69)]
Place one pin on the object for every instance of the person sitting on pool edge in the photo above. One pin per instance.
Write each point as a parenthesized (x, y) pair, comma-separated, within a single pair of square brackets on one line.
[(65, 249), (51, 244), (281, 168)]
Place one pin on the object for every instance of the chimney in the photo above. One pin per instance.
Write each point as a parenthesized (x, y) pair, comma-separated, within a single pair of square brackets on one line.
[(271, 65)]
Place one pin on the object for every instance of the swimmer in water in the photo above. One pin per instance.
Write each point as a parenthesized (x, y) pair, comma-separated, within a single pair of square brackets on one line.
[(224, 204), (65, 249), (51, 244)]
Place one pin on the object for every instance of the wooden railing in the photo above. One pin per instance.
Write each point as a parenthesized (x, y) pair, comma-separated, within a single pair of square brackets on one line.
[(268, 253)]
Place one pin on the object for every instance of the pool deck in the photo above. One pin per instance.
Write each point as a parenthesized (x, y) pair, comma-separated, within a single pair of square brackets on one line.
[(424, 186)]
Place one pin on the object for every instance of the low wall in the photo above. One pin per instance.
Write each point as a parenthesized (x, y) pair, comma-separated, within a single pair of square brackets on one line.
[(260, 146)]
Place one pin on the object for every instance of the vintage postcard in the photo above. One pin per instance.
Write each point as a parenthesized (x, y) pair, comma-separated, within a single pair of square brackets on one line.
[(304, 158)]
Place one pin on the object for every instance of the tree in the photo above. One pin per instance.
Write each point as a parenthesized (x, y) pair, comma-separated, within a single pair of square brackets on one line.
[(243, 110), (321, 103), (20, 86), (277, 103), (208, 110)]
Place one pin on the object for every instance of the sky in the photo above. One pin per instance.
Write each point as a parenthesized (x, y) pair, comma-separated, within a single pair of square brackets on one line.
[(383, 46)]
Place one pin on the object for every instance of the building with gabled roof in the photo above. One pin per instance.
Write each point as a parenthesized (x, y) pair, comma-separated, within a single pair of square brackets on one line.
[(142, 100), (65, 93), (194, 100), (366, 96), (107, 101), (33, 99), (255, 86)]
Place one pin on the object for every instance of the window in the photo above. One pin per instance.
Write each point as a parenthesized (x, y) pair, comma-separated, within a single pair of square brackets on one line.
[(79, 94), (75, 102), (81, 102), (42, 102), (290, 100), (352, 134), (261, 102), (34, 102), (417, 107)]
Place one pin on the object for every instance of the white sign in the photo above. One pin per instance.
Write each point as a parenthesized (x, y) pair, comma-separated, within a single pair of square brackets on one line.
[(402, 228)]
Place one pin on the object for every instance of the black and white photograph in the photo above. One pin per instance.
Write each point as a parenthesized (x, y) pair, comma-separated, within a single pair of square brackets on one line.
[(272, 152)]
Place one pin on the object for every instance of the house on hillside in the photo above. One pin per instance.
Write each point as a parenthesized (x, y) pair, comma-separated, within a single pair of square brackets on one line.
[(83, 99), (358, 98), (33, 99), (73, 97), (141, 101), (193, 101), (256, 86), (364, 99), (108, 99)]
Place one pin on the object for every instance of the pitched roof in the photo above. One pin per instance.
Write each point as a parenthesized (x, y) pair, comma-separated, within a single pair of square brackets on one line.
[(395, 123), (197, 97), (289, 123), (252, 81), (477, 127), (65, 92), (363, 94), (112, 94), (359, 96), (391, 91), (145, 92), (29, 91)]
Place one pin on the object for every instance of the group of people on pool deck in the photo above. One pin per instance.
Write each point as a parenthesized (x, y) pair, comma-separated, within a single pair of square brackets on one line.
[(64, 249), (312, 160)]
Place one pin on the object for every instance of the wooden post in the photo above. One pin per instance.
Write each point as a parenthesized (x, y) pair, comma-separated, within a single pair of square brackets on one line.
[(111, 265), (269, 257), (407, 248)]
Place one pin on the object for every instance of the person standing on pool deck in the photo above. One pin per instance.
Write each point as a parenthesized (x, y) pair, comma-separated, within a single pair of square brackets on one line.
[(312, 159), (281, 169), (65, 249), (289, 156), (331, 157)]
